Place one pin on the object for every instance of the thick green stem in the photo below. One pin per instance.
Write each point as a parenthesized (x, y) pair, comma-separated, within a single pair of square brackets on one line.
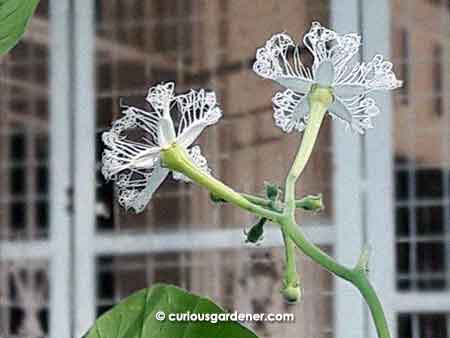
[(313, 251), (355, 276), (375, 306), (176, 158)]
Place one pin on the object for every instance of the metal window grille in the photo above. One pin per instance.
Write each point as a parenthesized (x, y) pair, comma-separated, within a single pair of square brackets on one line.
[(24, 187)]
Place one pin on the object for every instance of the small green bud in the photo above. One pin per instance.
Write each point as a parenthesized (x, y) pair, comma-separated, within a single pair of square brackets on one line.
[(291, 293), (215, 198), (255, 234), (272, 191), (311, 203)]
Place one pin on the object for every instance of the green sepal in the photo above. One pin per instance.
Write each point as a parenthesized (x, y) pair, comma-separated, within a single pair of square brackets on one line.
[(216, 198)]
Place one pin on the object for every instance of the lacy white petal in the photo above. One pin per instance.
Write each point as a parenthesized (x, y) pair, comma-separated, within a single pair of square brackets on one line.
[(131, 142), (291, 111), (138, 118), (198, 159), (119, 159), (366, 77), (273, 62), (325, 44), (356, 113), (160, 98), (198, 110), (136, 187)]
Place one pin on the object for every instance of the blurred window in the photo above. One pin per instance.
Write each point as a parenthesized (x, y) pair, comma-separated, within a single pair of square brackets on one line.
[(421, 229), (423, 325)]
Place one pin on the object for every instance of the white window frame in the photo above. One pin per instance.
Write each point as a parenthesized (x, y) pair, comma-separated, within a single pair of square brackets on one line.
[(348, 197), (379, 224), (59, 242)]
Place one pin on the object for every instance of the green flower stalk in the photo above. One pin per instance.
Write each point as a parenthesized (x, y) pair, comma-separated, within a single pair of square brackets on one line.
[(176, 158), (319, 100)]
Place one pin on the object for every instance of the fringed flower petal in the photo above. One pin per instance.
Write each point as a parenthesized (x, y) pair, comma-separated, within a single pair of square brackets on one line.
[(291, 111), (136, 187), (366, 77), (198, 159), (198, 110), (355, 113), (279, 60), (325, 44), (131, 142), (161, 97)]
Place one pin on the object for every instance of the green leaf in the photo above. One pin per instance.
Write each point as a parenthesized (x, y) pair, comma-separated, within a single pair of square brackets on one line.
[(14, 17), (135, 317)]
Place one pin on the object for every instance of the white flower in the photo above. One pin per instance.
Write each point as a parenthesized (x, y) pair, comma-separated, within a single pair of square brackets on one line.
[(134, 142), (279, 60)]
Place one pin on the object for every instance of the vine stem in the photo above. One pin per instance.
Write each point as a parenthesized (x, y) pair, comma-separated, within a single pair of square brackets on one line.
[(357, 276)]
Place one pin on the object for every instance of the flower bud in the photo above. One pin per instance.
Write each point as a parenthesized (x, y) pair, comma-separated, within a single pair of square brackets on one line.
[(291, 293), (311, 203), (254, 235), (272, 191)]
